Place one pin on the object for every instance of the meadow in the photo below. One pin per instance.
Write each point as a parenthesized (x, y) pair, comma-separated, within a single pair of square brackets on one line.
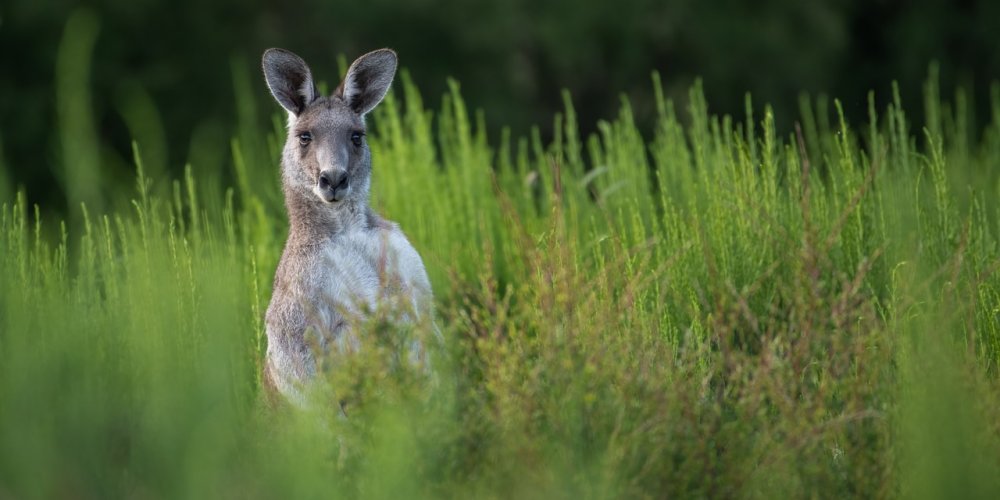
[(712, 308)]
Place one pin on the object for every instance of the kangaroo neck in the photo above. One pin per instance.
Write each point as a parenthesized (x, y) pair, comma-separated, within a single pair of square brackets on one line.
[(313, 220)]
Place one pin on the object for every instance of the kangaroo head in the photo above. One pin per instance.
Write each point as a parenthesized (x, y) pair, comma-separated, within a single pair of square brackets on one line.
[(326, 158)]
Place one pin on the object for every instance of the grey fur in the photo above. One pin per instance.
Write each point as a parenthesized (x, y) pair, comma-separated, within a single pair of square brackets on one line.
[(341, 260)]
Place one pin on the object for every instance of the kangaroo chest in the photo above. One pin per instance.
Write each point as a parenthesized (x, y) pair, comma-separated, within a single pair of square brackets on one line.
[(355, 270), (323, 288), (352, 274)]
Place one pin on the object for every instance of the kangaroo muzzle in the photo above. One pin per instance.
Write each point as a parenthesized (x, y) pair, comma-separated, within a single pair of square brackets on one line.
[(332, 185)]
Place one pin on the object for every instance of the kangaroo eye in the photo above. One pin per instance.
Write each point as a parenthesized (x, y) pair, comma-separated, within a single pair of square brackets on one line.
[(305, 138), (356, 138)]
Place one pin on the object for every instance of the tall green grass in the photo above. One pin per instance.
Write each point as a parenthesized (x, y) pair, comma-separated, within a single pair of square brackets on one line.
[(714, 309)]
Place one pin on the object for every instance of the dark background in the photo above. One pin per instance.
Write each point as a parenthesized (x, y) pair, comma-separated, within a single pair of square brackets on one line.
[(165, 70)]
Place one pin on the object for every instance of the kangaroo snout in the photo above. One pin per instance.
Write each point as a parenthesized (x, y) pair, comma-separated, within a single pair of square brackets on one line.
[(332, 185)]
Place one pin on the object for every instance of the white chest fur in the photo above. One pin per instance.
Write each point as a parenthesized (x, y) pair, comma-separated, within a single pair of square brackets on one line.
[(361, 271), (326, 291)]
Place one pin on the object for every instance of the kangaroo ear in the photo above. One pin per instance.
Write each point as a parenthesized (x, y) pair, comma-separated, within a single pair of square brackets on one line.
[(289, 79), (368, 79)]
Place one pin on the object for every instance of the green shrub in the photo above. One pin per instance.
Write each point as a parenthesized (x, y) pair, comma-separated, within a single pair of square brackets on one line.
[(713, 311)]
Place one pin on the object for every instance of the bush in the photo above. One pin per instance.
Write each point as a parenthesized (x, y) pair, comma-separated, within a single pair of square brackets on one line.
[(718, 311)]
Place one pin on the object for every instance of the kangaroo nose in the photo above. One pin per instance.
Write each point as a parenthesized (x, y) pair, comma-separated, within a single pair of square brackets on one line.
[(333, 179), (332, 184)]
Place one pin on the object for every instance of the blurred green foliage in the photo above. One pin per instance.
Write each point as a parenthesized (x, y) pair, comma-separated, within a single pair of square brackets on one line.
[(162, 71), (718, 311), (680, 304)]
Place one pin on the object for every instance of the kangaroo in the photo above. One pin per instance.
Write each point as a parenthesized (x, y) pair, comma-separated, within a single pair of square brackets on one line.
[(341, 260)]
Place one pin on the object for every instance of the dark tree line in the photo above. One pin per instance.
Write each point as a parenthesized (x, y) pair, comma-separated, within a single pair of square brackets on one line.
[(170, 62)]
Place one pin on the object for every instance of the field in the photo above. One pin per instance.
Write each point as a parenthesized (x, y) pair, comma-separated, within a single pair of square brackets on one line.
[(707, 309)]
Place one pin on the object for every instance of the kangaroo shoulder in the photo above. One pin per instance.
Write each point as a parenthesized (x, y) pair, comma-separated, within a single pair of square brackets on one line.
[(375, 222), (408, 261)]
